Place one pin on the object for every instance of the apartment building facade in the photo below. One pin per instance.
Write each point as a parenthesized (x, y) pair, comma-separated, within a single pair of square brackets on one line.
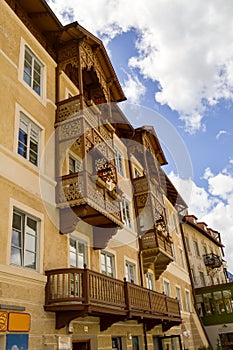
[(87, 254), (211, 285)]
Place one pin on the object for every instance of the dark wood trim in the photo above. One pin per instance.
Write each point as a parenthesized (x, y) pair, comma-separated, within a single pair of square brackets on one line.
[(72, 293)]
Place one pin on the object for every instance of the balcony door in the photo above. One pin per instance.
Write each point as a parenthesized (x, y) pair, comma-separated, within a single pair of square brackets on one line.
[(81, 345)]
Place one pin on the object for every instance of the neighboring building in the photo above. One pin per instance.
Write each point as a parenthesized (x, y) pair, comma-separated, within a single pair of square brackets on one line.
[(92, 255), (212, 287)]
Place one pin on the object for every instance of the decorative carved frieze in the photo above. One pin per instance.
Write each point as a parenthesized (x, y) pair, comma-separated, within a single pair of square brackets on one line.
[(89, 60), (70, 130), (68, 54)]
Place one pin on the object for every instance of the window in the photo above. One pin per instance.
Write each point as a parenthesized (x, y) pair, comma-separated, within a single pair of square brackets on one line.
[(33, 69), (196, 248), (107, 264), (187, 299), (181, 258), (119, 162), (173, 251), (28, 139), (74, 165), (187, 243), (24, 243), (126, 213), (176, 224), (135, 343), (130, 272), (205, 249), (178, 295), (77, 253), (167, 288), (116, 343), (149, 281), (202, 279)]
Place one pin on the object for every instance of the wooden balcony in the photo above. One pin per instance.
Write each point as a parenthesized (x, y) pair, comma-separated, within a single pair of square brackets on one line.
[(212, 260), (82, 195), (156, 252), (155, 242), (72, 293)]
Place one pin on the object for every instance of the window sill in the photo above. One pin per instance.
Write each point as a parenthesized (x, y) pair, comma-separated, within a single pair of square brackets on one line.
[(21, 273)]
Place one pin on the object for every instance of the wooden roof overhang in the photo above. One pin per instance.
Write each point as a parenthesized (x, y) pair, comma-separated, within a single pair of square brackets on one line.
[(171, 193), (203, 232), (48, 30), (149, 131)]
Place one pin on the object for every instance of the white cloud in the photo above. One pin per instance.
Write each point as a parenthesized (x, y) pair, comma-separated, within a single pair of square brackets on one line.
[(214, 206), (221, 132), (185, 46), (133, 89)]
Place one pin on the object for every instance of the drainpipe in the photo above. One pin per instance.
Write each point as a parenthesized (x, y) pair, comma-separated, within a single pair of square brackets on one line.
[(139, 254)]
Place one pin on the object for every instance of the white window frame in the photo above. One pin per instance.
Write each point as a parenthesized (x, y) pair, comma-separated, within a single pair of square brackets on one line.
[(24, 232), (186, 239), (126, 213), (23, 47), (32, 73), (112, 259), (188, 301), (179, 297), (181, 255), (30, 128), (176, 224), (40, 252), (173, 252), (76, 252), (130, 271), (119, 162), (150, 281), (167, 287)]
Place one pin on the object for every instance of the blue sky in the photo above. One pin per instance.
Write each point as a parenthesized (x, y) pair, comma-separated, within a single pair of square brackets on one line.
[(176, 58)]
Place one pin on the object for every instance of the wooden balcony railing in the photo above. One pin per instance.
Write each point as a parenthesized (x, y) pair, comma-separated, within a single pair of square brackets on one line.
[(156, 251), (152, 240), (144, 184), (87, 131), (79, 189), (77, 292), (155, 242), (70, 109)]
